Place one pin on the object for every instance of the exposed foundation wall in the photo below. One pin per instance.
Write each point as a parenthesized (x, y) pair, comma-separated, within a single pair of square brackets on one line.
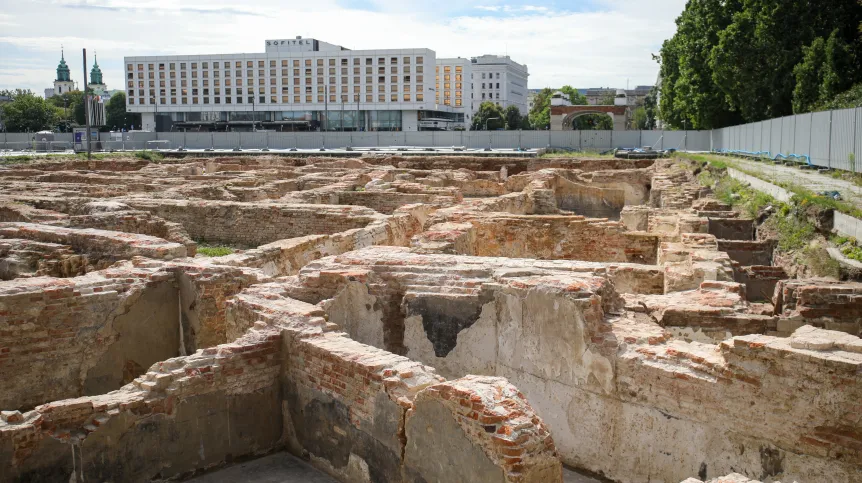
[(63, 338), (253, 224), (819, 303), (137, 222), (588, 200), (186, 414), (584, 370), (547, 237)]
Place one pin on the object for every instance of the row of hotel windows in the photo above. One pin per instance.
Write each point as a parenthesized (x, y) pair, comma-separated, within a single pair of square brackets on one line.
[(448, 69), (272, 63), (407, 80), (284, 72), (274, 99)]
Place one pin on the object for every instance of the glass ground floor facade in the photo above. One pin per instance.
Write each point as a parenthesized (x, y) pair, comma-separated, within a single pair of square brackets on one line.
[(327, 120)]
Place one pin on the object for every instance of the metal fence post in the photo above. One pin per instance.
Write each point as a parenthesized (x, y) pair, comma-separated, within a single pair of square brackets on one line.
[(810, 133), (856, 113), (829, 143)]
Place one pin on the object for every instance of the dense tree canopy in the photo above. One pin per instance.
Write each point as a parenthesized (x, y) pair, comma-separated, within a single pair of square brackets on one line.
[(734, 61), (489, 115), (117, 117), (27, 112)]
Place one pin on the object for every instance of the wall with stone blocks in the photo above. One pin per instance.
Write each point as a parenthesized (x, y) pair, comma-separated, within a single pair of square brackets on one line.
[(549, 237), (820, 303), (101, 243), (254, 224), (749, 404), (63, 338), (137, 222)]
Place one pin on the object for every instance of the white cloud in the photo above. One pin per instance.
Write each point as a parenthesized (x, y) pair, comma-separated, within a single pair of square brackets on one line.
[(585, 49)]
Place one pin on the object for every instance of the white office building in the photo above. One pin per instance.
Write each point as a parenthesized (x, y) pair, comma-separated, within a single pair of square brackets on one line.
[(295, 84), (499, 79), (307, 84)]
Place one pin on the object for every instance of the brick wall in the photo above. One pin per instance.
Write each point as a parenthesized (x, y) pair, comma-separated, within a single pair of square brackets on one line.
[(253, 224)]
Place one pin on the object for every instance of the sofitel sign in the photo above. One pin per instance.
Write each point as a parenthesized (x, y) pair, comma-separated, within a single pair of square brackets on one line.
[(289, 42)]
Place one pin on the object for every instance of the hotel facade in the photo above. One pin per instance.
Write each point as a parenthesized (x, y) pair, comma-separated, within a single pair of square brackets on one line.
[(302, 85)]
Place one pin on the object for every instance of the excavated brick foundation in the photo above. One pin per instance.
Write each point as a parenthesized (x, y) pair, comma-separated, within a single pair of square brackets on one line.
[(412, 320)]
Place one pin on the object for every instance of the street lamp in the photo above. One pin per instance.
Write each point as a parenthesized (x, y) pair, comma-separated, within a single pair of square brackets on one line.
[(489, 134), (490, 119)]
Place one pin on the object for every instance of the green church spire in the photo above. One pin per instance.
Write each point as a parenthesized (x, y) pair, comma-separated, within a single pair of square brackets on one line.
[(96, 72), (63, 74)]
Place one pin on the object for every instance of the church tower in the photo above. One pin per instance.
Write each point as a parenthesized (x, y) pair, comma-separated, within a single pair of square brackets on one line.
[(96, 85), (63, 83)]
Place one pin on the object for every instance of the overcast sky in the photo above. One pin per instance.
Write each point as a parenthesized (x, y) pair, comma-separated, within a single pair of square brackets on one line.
[(585, 43)]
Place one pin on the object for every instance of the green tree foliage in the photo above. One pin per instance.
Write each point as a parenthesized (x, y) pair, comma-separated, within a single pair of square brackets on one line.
[(117, 117), (809, 76), (593, 122), (13, 93), (490, 112), (30, 113), (734, 61), (512, 115), (540, 114), (651, 108), (575, 97)]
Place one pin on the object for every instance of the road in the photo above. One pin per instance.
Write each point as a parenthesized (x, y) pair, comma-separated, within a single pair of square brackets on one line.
[(808, 179)]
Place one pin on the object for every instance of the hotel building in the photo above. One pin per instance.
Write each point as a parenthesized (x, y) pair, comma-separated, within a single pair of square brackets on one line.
[(307, 84)]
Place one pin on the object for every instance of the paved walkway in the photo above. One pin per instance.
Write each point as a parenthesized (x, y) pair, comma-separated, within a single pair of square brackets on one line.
[(809, 179)]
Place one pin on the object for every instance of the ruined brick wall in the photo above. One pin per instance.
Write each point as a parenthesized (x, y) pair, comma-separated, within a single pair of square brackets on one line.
[(556, 340), (111, 245), (829, 305), (62, 338), (137, 222), (183, 415), (547, 237), (286, 257), (253, 224)]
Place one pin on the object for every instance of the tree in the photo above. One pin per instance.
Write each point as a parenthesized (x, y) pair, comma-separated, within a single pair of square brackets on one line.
[(13, 93), (575, 97), (117, 117), (512, 116), (27, 112), (593, 122), (733, 61), (651, 108), (809, 76), (490, 115), (608, 99), (540, 114)]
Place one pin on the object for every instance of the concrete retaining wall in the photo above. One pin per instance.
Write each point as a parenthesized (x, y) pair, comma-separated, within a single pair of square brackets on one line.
[(776, 192)]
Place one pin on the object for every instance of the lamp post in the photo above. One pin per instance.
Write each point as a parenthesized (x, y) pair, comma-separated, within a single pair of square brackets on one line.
[(489, 134)]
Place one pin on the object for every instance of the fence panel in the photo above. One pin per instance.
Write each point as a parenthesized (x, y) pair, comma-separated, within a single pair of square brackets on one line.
[(857, 143), (842, 137), (775, 132), (627, 139), (802, 134), (820, 142), (596, 140), (766, 136)]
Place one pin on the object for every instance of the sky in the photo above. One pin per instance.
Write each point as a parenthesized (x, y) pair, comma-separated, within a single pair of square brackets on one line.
[(583, 43)]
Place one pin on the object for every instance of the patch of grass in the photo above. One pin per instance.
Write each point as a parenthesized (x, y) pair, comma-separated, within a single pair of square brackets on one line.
[(794, 233), (214, 250), (10, 160), (849, 247), (553, 153), (817, 259), (149, 155)]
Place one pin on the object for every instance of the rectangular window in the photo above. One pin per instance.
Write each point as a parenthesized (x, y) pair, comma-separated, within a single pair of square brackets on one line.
[(238, 64), (419, 97), (215, 65), (393, 97), (297, 99), (320, 62), (285, 99), (131, 99), (217, 100), (381, 98), (369, 98), (194, 65), (420, 69), (308, 98), (296, 63), (368, 61), (227, 100)]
